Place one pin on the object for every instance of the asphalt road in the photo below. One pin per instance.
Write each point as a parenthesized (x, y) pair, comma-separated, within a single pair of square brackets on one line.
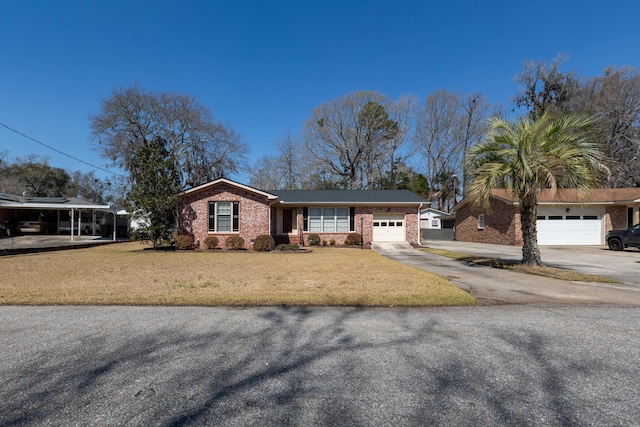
[(485, 365)]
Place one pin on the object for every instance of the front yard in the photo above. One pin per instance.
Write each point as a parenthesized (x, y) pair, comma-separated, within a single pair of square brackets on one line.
[(126, 274)]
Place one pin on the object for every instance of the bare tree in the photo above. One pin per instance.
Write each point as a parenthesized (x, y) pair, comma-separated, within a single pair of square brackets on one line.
[(615, 98), (544, 88), (474, 114), (349, 135), (446, 127), (289, 161), (204, 148), (281, 171), (403, 112), (265, 173)]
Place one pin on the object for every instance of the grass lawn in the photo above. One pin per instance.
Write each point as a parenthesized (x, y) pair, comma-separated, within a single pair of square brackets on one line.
[(126, 274)]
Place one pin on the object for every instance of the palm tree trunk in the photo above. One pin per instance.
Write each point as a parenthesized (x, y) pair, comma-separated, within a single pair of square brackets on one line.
[(528, 217)]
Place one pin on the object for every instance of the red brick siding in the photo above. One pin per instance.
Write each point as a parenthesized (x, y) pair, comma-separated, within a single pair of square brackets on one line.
[(502, 225), (193, 213), (615, 218)]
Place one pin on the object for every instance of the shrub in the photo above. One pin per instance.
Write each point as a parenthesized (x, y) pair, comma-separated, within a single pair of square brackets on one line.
[(324, 243), (353, 239), (184, 242), (264, 242), (313, 239), (211, 242), (332, 242), (234, 243)]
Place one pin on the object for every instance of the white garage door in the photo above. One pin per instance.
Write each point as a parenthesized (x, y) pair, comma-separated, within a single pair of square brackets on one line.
[(569, 228), (388, 228)]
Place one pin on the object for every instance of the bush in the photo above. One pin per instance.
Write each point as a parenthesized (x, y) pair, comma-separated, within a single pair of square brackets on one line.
[(324, 243), (353, 239), (211, 242), (288, 247), (234, 243), (184, 242), (332, 242), (313, 239), (264, 243)]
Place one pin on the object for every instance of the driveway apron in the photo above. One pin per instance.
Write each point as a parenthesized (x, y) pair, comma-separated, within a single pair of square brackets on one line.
[(497, 286)]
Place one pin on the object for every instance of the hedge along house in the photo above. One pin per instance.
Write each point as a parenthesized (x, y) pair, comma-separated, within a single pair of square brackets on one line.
[(563, 219), (225, 208)]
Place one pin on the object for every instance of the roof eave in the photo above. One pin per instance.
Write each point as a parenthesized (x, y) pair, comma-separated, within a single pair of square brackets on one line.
[(220, 181)]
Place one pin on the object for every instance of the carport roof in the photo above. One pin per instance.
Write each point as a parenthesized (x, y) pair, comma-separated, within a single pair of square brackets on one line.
[(23, 202)]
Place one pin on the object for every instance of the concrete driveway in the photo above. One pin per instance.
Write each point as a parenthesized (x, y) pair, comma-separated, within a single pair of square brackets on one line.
[(623, 266), (496, 286)]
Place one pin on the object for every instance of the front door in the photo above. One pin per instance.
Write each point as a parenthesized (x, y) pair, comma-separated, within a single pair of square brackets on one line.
[(287, 220)]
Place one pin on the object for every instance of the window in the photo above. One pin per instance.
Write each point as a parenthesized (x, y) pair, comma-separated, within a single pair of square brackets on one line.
[(481, 221), (223, 217), (555, 217), (342, 219), (572, 217), (328, 220), (590, 217)]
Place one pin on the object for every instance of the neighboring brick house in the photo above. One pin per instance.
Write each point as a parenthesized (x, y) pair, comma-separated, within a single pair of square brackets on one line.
[(224, 208), (563, 219)]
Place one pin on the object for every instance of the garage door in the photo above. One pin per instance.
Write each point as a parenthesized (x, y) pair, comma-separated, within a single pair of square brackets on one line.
[(388, 228), (573, 228)]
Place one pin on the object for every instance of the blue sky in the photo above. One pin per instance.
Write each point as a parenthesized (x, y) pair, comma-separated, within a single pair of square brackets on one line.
[(263, 66)]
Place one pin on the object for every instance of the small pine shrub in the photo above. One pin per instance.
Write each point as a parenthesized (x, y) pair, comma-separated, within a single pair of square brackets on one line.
[(353, 239), (313, 239), (264, 243), (324, 243), (332, 242), (183, 242), (211, 242), (234, 243)]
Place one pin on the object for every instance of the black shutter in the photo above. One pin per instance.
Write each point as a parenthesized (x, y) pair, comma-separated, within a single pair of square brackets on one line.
[(352, 219), (305, 219), (236, 208), (212, 216)]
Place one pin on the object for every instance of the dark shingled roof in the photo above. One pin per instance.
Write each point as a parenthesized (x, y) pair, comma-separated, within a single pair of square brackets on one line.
[(348, 196)]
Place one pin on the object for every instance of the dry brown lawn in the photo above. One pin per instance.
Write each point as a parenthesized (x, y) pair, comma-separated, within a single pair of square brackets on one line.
[(126, 274)]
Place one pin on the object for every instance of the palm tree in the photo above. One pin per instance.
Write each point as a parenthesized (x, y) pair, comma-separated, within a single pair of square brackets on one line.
[(527, 156)]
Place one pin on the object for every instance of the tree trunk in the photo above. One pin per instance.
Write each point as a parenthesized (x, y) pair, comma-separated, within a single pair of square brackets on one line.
[(528, 217)]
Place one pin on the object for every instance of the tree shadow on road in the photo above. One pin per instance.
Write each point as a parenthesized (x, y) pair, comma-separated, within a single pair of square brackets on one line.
[(296, 366)]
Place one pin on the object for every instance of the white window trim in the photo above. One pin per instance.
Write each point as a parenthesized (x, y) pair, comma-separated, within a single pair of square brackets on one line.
[(215, 217), (335, 219), (481, 223)]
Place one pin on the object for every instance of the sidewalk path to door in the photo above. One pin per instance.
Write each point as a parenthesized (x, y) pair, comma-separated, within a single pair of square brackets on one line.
[(498, 286)]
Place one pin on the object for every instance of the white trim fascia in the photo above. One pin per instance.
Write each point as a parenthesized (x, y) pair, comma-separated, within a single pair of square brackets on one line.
[(228, 182)]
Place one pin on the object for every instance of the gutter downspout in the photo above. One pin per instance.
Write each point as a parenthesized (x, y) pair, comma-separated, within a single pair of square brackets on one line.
[(270, 206), (71, 223), (419, 229)]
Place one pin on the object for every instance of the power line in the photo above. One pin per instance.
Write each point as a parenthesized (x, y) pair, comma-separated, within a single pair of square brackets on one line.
[(60, 152)]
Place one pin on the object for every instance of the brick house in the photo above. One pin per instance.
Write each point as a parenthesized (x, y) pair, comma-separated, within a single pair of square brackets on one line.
[(224, 208), (563, 219)]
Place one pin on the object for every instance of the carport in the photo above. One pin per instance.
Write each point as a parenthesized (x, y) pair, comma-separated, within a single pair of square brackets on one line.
[(11, 207)]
